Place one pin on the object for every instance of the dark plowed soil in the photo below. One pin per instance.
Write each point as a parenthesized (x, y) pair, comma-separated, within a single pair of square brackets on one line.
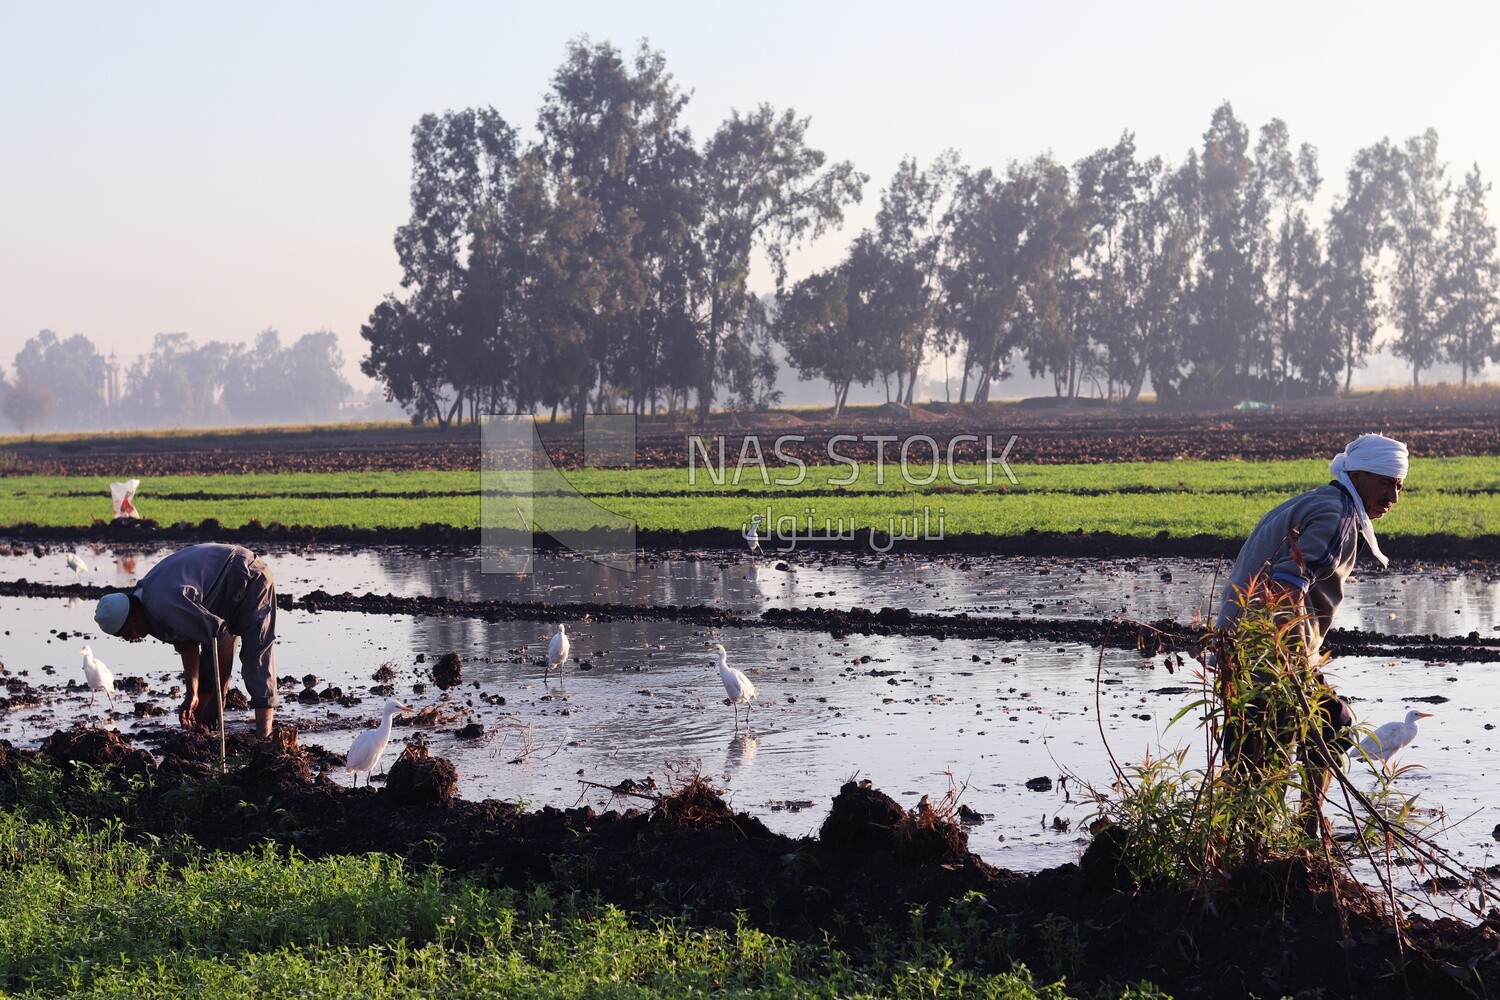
[(1318, 429), (1095, 544), (1288, 927)]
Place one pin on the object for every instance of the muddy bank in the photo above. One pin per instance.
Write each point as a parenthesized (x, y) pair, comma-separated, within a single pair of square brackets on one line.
[(1048, 434), (1288, 927), (442, 537), (1155, 638)]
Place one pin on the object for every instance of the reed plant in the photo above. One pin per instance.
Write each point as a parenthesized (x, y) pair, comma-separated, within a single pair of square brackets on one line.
[(1266, 768)]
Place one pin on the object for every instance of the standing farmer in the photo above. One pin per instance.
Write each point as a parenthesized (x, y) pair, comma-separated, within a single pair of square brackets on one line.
[(208, 593), (1303, 551)]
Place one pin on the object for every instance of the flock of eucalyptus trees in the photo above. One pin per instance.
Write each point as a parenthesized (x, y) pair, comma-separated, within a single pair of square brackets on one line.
[(607, 264)]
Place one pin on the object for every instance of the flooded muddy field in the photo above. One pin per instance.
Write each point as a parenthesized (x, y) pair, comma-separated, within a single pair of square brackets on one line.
[(1020, 721)]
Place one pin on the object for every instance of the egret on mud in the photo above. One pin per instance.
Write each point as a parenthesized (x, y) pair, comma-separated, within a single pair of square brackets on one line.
[(752, 535), (370, 744), (736, 685), (76, 564), (1383, 743), (557, 649), (99, 677)]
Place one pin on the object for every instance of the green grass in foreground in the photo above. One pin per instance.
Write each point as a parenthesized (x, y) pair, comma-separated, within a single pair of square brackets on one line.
[(1454, 496), (87, 912)]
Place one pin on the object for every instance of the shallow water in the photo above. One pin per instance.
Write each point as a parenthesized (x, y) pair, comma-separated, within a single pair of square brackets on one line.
[(918, 717), (1430, 599)]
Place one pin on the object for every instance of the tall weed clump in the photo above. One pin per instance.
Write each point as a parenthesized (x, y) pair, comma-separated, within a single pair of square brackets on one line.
[(1264, 759)]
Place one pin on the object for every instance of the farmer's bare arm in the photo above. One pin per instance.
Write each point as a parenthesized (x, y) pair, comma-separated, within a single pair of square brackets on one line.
[(189, 655)]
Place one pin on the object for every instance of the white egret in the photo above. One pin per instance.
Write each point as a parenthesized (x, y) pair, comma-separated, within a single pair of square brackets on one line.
[(752, 535), (1383, 743), (557, 649), (370, 744), (76, 564), (736, 685), (99, 677)]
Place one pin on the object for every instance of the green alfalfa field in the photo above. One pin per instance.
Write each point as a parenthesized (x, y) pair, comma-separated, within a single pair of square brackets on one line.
[(1454, 497)]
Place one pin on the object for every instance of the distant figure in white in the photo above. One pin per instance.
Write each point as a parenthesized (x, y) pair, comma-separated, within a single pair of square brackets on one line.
[(736, 685), (369, 745), (752, 535), (1383, 743), (557, 650), (76, 564), (100, 677)]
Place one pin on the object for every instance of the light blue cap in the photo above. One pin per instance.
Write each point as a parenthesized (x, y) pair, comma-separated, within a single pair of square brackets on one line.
[(112, 611)]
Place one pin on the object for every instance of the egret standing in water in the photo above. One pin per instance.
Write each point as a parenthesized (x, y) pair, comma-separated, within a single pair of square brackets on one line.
[(752, 535), (99, 677), (736, 685), (557, 650), (76, 564), (1383, 743), (370, 744)]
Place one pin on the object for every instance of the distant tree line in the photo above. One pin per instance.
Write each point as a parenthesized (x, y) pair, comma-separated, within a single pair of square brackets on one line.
[(606, 265), (68, 384)]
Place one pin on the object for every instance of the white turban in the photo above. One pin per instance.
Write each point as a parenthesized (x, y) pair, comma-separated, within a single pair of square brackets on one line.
[(1372, 453)]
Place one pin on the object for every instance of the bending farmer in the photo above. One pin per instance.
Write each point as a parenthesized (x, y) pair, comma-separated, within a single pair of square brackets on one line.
[(209, 593), (1303, 551)]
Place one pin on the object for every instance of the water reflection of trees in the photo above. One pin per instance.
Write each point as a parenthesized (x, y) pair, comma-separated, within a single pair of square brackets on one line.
[(571, 580), (1423, 604)]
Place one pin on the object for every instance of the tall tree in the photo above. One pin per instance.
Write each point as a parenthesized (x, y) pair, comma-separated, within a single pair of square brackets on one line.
[(765, 188), (1285, 183), (1110, 183), (1357, 230), (1052, 331), (1228, 297), (888, 306), (548, 250), (1417, 193), (427, 349), (910, 233), (1468, 290), (614, 128), (1156, 250), (301, 383), (25, 404), (814, 326), (1007, 238), (70, 372), (749, 361), (180, 383)]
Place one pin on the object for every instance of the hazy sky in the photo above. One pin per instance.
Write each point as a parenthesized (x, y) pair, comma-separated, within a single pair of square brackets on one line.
[(218, 169)]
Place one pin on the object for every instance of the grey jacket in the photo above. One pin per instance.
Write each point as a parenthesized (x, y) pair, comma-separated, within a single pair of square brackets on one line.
[(1318, 563), (188, 594)]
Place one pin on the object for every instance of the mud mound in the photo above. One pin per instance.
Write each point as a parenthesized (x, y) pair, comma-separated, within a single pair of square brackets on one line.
[(862, 819), (901, 413), (97, 748), (448, 672), (1289, 927), (420, 779), (696, 805), (278, 764), (928, 834)]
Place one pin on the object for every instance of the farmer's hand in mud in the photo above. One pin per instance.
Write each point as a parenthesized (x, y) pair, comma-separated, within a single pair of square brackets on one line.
[(188, 713)]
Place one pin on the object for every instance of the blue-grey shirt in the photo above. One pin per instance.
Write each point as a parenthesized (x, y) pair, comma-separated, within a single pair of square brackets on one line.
[(186, 595), (1318, 564)]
